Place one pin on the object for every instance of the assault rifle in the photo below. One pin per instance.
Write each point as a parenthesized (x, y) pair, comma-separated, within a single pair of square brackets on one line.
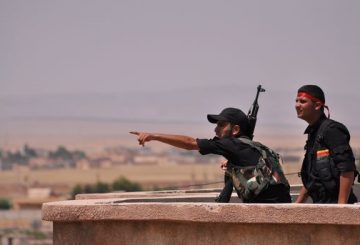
[(252, 114), (226, 192)]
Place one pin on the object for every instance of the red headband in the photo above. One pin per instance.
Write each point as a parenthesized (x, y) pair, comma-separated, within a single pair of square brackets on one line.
[(303, 94), (309, 96)]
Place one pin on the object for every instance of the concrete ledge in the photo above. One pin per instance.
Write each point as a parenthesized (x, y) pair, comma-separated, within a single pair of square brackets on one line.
[(174, 218), (124, 209), (210, 193)]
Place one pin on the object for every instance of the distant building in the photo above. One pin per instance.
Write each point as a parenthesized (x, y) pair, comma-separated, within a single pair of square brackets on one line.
[(39, 162), (83, 164)]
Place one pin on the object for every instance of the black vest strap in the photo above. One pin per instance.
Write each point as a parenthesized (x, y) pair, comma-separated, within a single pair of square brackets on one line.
[(320, 134)]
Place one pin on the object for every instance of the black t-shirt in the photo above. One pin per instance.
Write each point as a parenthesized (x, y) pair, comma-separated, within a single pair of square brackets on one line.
[(236, 152), (240, 154)]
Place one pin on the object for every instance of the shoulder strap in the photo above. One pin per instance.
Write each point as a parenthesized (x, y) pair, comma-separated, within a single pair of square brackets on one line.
[(320, 133), (256, 145)]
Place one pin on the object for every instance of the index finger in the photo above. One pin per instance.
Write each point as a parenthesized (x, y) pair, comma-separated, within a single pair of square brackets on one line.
[(134, 132)]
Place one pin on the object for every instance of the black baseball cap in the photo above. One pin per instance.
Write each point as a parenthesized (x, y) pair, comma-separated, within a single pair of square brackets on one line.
[(231, 115)]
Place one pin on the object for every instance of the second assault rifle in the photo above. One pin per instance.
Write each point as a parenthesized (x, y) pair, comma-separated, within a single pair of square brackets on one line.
[(225, 194)]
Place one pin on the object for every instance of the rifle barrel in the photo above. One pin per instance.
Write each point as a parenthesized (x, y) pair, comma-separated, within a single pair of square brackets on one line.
[(252, 114)]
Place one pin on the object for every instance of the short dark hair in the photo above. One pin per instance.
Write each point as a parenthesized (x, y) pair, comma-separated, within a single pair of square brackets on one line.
[(314, 91)]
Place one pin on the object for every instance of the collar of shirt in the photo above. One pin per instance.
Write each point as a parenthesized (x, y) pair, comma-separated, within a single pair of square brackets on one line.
[(312, 128)]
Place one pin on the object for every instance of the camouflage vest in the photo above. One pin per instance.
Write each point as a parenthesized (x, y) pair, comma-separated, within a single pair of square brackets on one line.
[(250, 181)]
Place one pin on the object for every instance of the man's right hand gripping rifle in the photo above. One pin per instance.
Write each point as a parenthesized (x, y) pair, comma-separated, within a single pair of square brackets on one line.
[(225, 194)]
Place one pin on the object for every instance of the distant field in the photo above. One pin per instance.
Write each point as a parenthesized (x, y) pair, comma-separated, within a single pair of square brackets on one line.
[(141, 174), (174, 175)]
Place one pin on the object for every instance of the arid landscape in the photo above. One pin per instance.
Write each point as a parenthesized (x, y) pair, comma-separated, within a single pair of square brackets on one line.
[(97, 140)]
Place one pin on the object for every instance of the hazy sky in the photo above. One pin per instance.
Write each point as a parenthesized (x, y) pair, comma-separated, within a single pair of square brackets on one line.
[(67, 48), (115, 46)]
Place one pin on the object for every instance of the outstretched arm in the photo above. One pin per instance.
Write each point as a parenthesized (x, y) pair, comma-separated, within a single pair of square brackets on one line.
[(180, 141)]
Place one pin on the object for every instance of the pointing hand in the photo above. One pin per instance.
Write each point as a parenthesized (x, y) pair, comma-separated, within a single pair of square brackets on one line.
[(142, 137)]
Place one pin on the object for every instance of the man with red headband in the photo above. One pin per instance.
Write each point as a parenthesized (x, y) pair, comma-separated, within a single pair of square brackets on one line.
[(328, 168)]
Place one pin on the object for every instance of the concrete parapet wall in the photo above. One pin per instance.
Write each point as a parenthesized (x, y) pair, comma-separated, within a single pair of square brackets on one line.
[(163, 232), (170, 220)]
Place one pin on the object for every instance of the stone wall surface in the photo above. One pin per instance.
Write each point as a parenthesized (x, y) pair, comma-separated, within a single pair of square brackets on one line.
[(175, 219), (166, 233)]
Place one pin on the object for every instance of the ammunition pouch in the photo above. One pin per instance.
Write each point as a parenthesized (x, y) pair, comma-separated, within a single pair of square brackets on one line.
[(327, 174), (317, 191), (251, 181)]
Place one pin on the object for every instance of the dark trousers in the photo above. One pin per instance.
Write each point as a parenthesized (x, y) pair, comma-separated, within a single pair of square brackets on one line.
[(273, 194)]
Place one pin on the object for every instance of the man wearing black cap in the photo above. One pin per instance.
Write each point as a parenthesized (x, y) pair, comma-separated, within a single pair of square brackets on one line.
[(231, 124), (328, 168)]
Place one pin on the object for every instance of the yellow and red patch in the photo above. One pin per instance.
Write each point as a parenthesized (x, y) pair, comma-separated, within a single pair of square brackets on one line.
[(322, 153)]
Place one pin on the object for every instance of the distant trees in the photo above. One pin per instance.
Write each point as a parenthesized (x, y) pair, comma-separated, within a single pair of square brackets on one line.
[(4, 204), (29, 152), (76, 190), (24, 155), (65, 154), (121, 184), (21, 157), (61, 152), (16, 157)]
